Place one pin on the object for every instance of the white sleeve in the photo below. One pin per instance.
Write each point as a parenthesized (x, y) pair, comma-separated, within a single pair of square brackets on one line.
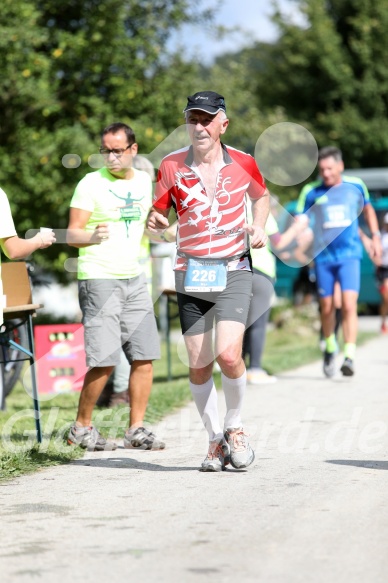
[(7, 227)]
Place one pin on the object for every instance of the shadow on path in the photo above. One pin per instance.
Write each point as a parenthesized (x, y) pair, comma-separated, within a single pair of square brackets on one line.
[(121, 463), (130, 463), (369, 464)]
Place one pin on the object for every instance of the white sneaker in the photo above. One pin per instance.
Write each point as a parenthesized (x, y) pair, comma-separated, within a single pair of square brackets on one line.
[(217, 457), (329, 367), (241, 453), (260, 377)]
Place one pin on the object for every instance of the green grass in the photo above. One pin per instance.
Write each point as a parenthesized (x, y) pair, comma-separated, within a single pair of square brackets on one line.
[(292, 343), (19, 452)]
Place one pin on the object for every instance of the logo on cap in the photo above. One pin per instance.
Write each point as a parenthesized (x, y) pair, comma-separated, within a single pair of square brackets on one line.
[(208, 101)]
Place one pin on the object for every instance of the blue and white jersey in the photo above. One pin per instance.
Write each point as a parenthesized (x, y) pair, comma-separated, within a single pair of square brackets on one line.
[(333, 212)]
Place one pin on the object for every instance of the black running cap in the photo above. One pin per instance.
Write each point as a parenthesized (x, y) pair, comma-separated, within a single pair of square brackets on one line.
[(208, 101)]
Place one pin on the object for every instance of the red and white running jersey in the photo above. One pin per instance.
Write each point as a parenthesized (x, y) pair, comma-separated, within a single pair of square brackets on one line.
[(209, 230)]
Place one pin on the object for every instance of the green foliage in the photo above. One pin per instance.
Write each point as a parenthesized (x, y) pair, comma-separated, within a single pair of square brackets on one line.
[(69, 69), (330, 76), (234, 77)]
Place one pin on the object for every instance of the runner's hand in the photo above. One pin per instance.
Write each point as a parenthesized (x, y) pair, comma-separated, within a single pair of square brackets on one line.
[(257, 235), (156, 222), (376, 249)]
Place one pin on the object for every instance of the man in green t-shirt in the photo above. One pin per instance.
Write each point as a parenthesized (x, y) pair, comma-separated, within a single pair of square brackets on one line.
[(107, 216)]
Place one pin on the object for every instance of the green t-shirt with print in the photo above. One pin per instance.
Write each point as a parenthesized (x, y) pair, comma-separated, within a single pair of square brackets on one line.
[(124, 205)]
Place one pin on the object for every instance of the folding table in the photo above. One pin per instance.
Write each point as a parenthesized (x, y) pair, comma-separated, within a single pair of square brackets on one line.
[(19, 305)]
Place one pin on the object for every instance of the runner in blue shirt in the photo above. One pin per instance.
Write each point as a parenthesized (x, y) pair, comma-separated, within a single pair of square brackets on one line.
[(332, 205)]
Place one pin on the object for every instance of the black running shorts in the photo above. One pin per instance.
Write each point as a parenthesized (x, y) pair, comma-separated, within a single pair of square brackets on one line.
[(197, 311)]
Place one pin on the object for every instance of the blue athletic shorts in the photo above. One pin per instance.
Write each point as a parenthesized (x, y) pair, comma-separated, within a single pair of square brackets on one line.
[(346, 272)]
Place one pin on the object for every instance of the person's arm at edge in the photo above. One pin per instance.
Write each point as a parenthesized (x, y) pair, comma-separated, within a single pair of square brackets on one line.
[(16, 248)]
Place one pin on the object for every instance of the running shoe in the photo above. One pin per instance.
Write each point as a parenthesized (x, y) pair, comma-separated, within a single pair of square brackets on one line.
[(141, 438), (329, 364), (347, 368), (218, 456), (241, 453), (89, 438)]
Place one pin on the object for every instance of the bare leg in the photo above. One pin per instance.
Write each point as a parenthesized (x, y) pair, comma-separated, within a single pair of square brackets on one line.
[(201, 357), (229, 340), (327, 315), (349, 316), (95, 381), (140, 384)]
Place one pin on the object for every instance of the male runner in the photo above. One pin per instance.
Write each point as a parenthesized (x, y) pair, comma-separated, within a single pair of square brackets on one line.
[(210, 184)]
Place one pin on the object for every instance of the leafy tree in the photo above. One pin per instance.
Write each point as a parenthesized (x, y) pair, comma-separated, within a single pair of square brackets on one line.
[(69, 69), (330, 75), (234, 76)]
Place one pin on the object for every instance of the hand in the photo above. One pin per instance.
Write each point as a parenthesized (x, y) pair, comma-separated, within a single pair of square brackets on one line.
[(300, 224), (376, 249), (156, 222), (302, 219), (45, 238), (101, 234), (305, 237), (257, 234)]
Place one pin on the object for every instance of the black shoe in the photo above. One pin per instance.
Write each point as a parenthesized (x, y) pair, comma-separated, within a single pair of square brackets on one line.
[(347, 368), (329, 364)]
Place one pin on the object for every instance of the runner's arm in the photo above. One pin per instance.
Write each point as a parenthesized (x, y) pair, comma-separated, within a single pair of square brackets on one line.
[(260, 212), (280, 240), (372, 222), (157, 221)]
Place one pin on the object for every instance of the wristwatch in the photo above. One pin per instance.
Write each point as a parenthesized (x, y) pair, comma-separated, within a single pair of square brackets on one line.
[(376, 234), (163, 236)]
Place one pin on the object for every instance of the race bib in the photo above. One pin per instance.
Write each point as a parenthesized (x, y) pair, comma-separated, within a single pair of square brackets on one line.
[(336, 216), (204, 275)]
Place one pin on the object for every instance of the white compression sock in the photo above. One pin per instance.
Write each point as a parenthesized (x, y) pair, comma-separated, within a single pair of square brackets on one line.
[(234, 390), (205, 397)]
